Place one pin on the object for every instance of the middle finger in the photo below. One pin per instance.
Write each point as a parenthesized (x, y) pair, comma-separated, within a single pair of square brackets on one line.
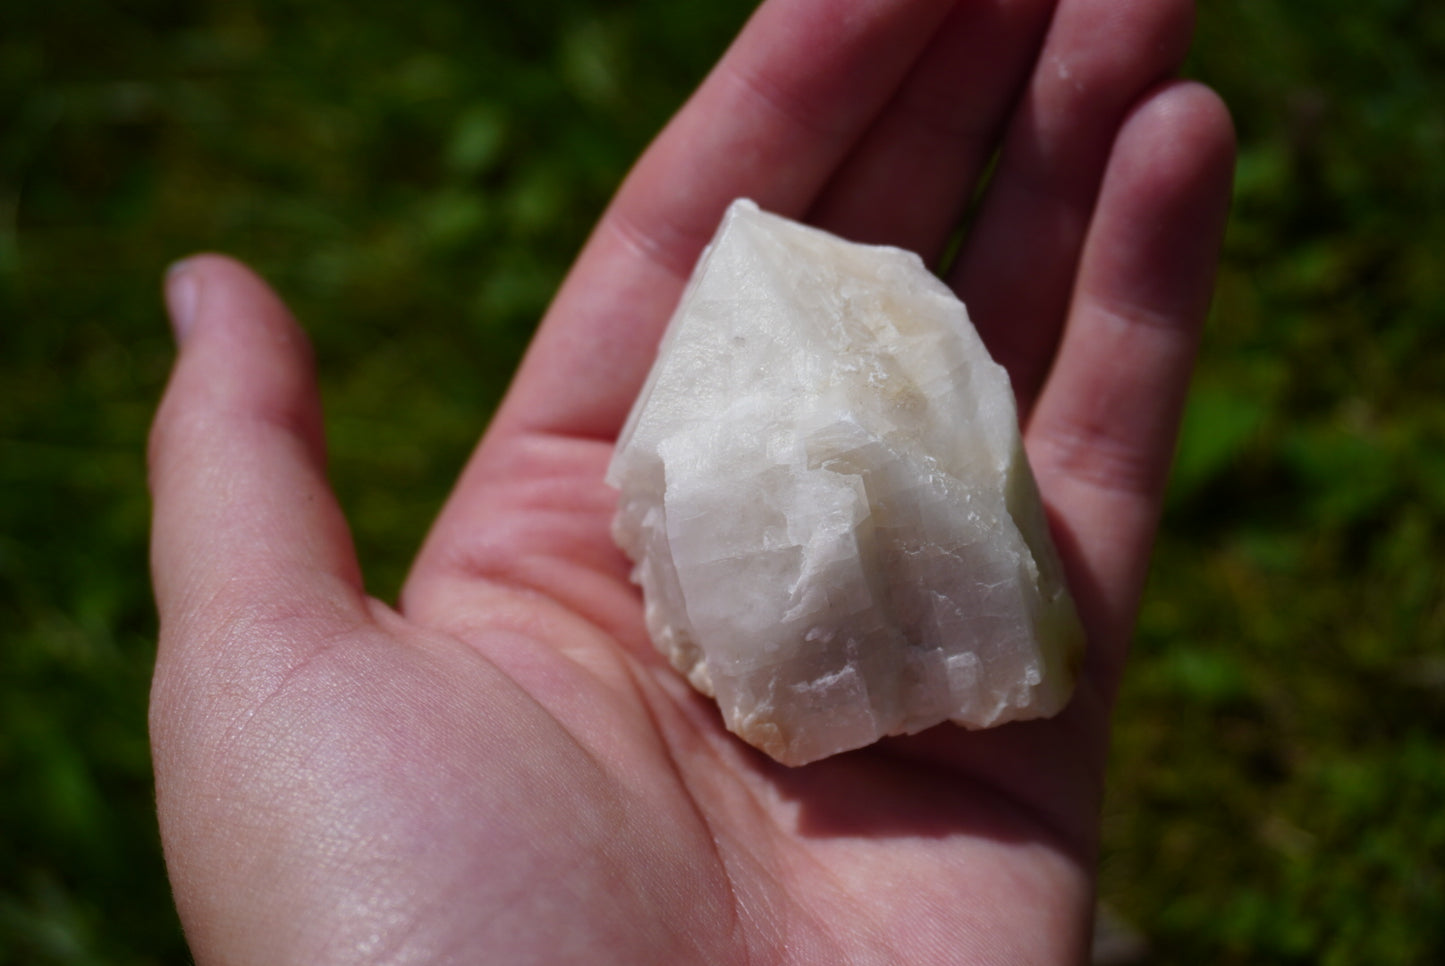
[(1016, 269), (910, 177)]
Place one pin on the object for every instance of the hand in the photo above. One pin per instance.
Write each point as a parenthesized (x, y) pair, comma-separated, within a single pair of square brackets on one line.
[(501, 769)]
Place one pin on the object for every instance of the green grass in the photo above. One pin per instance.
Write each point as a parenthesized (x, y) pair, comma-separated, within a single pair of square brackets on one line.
[(416, 177)]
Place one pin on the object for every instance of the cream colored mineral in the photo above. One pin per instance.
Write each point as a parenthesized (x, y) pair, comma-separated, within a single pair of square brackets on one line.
[(824, 491)]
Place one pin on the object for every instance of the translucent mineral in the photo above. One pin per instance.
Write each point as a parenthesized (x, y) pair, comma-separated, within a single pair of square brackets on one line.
[(824, 492)]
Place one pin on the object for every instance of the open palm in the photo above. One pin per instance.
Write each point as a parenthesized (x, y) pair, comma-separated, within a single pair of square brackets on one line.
[(502, 769)]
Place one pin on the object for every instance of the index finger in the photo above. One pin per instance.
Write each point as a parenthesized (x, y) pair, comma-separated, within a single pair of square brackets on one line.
[(772, 122)]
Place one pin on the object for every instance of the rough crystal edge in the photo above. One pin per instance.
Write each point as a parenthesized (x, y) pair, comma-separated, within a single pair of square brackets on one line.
[(1060, 649)]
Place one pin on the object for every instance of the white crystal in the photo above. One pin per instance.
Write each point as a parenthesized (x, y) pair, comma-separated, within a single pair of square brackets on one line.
[(823, 488)]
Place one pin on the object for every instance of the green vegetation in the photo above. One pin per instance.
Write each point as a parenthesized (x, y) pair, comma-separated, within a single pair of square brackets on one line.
[(416, 177)]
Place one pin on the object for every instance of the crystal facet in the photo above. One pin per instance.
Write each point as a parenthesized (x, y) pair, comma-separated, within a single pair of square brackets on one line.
[(826, 497)]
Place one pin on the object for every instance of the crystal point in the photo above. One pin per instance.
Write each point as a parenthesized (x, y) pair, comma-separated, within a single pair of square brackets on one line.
[(824, 491)]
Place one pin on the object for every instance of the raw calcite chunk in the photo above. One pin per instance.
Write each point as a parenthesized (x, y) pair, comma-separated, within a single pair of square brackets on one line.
[(828, 504)]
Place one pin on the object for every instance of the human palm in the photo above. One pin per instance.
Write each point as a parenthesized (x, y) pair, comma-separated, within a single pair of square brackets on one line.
[(502, 769)]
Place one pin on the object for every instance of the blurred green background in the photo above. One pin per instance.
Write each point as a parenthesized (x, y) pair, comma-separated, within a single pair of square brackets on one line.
[(415, 178)]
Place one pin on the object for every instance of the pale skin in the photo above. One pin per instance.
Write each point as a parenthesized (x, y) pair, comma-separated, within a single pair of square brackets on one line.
[(500, 769)]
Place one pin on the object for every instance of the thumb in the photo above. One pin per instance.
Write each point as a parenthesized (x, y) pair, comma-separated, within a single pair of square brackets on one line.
[(247, 539)]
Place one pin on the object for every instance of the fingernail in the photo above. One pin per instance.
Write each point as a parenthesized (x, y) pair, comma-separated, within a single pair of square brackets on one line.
[(183, 293)]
